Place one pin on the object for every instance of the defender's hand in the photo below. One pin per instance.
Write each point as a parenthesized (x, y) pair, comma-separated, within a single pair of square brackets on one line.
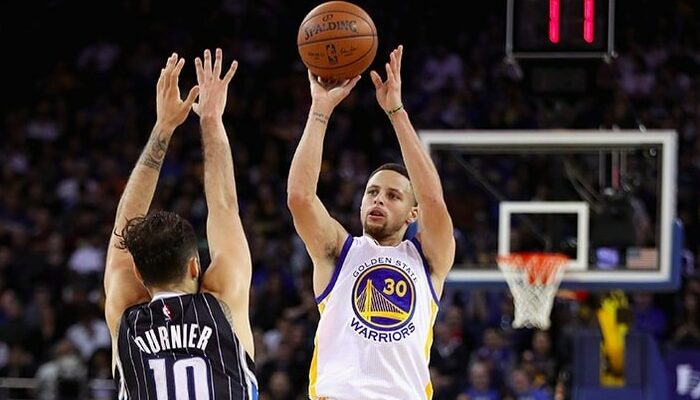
[(171, 110), (212, 88)]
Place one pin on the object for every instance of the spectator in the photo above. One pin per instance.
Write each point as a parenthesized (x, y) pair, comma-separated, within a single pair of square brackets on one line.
[(89, 333), (283, 361), (442, 69), (543, 358), (648, 318), (100, 368), (479, 387), (495, 353), (521, 387), (13, 328), (448, 355), (40, 315), (687, 333), (20, 364), (64, 377), (87, 259), (279, 387)]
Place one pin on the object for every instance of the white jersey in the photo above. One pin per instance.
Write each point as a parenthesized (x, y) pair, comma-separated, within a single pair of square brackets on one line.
[(377, 315)]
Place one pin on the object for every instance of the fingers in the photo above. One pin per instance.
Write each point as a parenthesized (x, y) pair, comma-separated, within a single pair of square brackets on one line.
[(395, 61), (231, 72), (167, 71), (192, 96), (217, 63), (393, 67), (200, 70), (178, 66), (352, 82), (161, 80), (389, 73), (207, 64), (376, 79), (206, 71), (399, 56), (175, 74)]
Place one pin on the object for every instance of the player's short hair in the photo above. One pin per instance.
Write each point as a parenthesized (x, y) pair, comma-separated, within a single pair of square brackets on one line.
[(161, 244), (396, 168), (391, 167)]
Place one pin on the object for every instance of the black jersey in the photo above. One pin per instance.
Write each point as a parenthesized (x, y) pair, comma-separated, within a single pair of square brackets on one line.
[(182, 346)]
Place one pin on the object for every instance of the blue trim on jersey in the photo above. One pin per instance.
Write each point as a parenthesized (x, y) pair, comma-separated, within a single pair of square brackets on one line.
[(426, 266), (254, 391), (336, 270)]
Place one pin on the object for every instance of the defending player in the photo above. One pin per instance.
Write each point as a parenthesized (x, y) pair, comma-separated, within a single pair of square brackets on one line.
[(178, 333)]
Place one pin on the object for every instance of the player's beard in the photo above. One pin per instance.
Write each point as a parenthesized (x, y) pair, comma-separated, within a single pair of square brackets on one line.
[(378, 231)]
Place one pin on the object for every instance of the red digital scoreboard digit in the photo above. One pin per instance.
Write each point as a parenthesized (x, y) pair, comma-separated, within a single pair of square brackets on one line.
[(565, 28)]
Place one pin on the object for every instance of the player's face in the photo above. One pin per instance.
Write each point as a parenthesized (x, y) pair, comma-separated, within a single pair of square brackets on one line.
[(387, 204)]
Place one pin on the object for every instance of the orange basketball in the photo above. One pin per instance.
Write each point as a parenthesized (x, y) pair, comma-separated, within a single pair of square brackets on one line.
[(337, 40)]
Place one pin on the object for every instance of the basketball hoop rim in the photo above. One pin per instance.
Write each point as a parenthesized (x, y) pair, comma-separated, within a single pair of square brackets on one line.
[(532, 260), (540, 268)]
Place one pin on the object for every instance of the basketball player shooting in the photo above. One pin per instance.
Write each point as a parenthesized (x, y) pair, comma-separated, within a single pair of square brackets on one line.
[(171, 336), (378, 293)]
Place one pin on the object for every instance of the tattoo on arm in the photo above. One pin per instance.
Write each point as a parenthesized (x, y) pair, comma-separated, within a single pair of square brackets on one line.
[(154, 153), (320, 118), (227, 311)]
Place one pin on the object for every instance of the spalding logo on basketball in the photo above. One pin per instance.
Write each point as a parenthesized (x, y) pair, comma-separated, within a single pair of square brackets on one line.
[(337, 40)]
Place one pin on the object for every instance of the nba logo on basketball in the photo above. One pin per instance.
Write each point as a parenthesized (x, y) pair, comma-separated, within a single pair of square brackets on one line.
[(332, 56)]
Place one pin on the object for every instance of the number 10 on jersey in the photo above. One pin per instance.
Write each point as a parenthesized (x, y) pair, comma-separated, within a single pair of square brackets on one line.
[(182, 377)]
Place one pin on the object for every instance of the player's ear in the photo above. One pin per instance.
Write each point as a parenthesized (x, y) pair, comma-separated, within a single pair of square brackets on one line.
[(413, 215), (193, 267)]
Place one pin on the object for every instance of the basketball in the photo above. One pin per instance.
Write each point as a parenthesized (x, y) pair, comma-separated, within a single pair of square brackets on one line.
[(337, 40)]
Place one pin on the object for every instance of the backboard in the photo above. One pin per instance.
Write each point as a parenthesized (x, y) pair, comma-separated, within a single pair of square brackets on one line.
[(604, 198)]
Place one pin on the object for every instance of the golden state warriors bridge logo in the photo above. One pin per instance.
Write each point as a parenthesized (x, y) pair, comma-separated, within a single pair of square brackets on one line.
[(384, 298)]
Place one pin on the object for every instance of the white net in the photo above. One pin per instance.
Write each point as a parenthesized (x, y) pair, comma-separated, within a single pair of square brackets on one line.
[(533, 279)]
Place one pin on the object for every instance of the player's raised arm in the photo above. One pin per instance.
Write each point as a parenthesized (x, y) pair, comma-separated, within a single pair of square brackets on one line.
[(322, 235), (436, 229), (229, 274), (122, 287)]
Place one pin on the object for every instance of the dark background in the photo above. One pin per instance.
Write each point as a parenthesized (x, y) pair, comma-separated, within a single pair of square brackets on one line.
[(78, 105)]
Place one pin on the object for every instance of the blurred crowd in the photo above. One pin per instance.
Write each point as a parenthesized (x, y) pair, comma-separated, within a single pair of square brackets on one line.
[(76, 118)]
